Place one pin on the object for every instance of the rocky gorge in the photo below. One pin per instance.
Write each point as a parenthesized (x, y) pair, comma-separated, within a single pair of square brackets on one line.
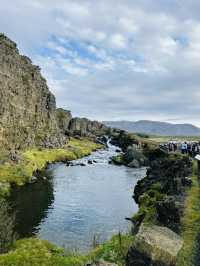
[(28, 113), (165, 229), (35, 133)]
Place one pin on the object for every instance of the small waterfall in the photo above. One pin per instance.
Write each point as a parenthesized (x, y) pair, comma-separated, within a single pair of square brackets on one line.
[(111, 147), (100, 156)]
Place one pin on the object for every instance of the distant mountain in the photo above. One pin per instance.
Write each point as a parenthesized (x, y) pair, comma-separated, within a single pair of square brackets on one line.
[(156, 128)]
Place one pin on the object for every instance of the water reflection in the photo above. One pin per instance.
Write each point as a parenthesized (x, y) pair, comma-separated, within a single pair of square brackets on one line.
[(75, 203), (31, 204), (91, 200)]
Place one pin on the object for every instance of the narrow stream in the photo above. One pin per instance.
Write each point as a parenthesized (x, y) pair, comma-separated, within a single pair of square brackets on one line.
[(71, 204)]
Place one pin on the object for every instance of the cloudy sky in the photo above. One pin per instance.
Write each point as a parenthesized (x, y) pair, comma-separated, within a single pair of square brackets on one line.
[(114, 59)]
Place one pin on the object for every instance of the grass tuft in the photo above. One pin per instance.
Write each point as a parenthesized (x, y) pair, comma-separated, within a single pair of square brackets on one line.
[(190, 222), (115, 250)]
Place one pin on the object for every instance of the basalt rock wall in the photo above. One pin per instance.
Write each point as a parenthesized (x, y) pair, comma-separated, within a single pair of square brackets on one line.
[(28, 114), (160, 196), (85, 127), (27, 107)]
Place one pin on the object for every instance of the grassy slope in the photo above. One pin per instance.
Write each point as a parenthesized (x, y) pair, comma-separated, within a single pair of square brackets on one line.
[(35, 159), (191, 222), (34, 252)]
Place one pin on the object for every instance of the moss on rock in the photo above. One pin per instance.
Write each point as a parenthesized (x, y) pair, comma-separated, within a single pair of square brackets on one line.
[(118, 160)]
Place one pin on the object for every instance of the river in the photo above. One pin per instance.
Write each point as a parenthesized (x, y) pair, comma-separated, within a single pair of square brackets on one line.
[(70, 205)]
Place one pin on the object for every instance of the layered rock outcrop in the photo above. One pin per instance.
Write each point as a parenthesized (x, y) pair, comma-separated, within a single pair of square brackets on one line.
[(132, 147), (85, 127), (28, 114), (27, 107), (63, 118)]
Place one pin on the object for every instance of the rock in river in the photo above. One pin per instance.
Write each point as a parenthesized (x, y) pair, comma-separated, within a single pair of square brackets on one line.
[(154, 245), (134, 164)]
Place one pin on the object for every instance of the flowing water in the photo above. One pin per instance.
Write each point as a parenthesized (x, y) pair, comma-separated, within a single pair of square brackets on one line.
[(70, 205)]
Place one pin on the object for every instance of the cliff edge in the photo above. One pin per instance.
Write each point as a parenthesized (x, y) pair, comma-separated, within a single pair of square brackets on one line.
[(27, 107)]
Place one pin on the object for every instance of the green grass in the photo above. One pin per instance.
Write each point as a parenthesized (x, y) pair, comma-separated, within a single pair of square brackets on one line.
[(37, 159), (147, 204), (161, 139), (114, 250), (190, 222), (34, 252)]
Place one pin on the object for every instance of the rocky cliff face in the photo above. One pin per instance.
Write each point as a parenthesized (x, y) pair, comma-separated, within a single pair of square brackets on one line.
[(28, 114), (79, 126), (85, 127), (27, 107), (160, 196), (63, 118)]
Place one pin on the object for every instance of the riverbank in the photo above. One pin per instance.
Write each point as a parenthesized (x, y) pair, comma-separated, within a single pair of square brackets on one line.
[(33, 251), (22, 170), (69, 205), (190, 223), (166, 228)]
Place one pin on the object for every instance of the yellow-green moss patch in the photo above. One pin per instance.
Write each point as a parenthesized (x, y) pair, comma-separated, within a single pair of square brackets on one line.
[(34, 252), (36, 159)]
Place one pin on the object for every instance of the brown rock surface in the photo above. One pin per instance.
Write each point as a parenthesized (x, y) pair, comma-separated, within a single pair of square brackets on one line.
[(27, 107)]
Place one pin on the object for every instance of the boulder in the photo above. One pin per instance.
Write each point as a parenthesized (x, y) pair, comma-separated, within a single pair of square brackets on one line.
[(123, 139), (154, 245), (134, 157), (118, 160), (169, 212), (134, 164), (137, 258)]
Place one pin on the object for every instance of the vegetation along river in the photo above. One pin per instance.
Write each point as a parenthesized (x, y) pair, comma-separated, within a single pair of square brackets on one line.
[(69, 205)]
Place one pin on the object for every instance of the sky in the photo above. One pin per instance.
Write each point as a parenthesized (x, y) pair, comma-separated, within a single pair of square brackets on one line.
[(113, 59)]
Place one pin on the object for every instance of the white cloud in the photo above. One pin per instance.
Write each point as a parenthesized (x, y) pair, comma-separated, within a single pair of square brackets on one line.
[(120, 59), (58, 48), (168, 46), (100, 36), (129, 25), (118, 41)]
